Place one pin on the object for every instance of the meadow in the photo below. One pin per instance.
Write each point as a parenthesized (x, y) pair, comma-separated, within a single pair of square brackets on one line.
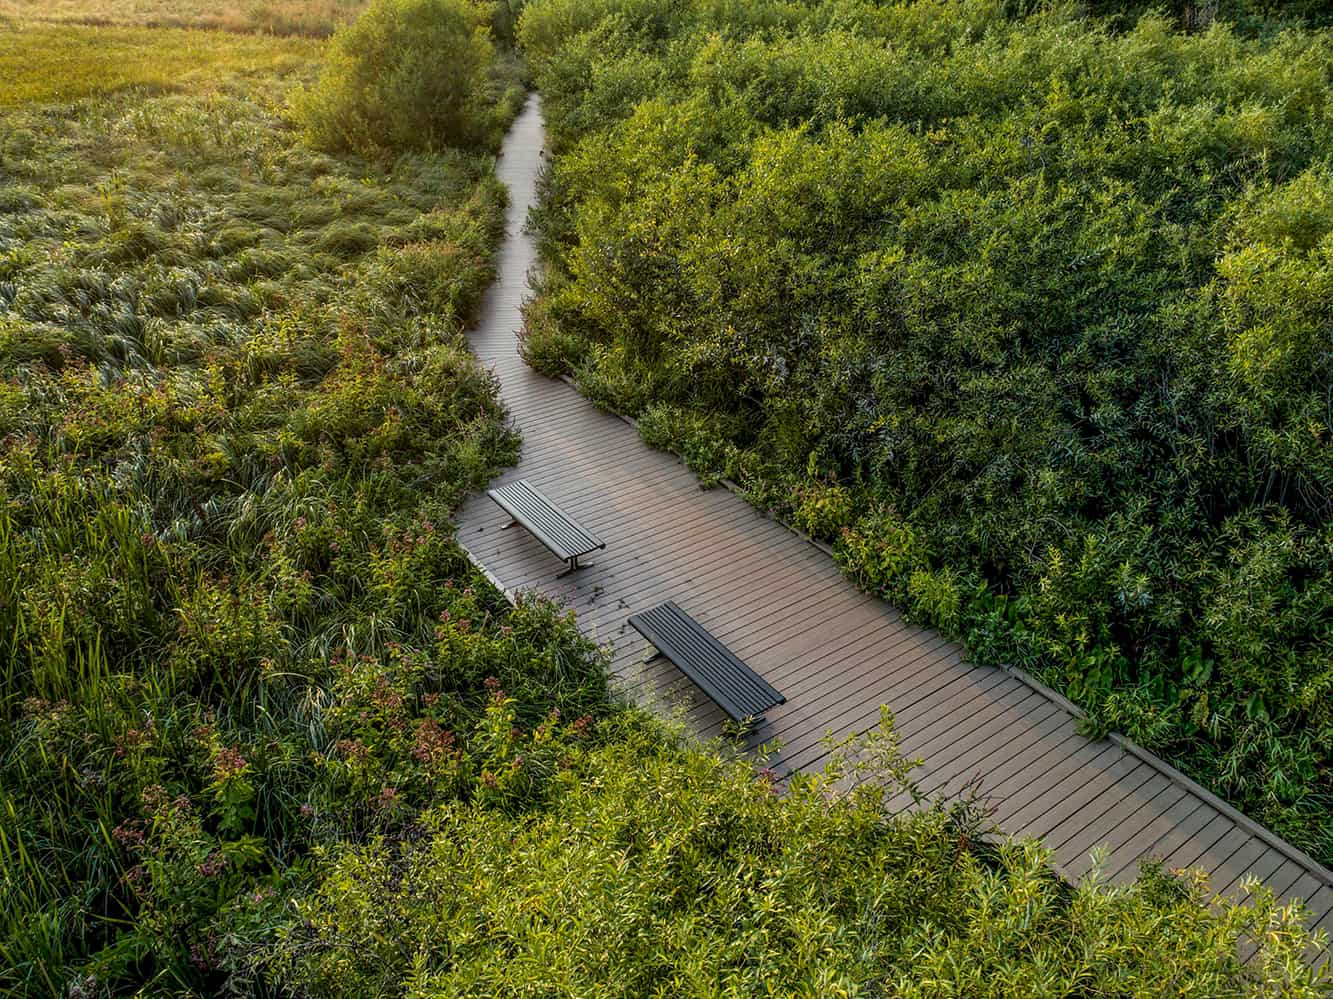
[(236, 410), (313, 18), (264, 730), (45, 63), (1024, 310)]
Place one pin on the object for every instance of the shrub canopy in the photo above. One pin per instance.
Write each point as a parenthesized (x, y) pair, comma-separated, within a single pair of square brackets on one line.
[(662, 869), (407, 74), (1027, 313)]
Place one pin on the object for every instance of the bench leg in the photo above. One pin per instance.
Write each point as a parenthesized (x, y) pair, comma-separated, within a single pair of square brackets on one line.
[(573, 567), (512, 523)]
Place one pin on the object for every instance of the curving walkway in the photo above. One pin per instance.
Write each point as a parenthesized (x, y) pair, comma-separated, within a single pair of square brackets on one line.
[(837, 654)]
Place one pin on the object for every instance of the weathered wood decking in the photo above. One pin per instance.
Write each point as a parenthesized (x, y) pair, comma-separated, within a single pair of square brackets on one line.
[(837, 654)]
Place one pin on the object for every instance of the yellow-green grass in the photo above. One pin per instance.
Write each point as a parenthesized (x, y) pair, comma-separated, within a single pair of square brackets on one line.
[(286, 17), (187, 286), (50, 63)]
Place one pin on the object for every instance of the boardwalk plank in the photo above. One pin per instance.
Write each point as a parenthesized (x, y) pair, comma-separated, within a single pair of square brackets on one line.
[(1048, 783), (1132, 820), (987, 749), (1210, 858), (1042, 744), (1098, 792), (1083, 832), (1204, 827), (923, 736)]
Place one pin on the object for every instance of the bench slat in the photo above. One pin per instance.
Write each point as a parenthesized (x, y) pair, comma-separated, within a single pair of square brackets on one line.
[(734, 686), (553, 524), (547, 522), (716, 668), (715, 661), (524, 499)]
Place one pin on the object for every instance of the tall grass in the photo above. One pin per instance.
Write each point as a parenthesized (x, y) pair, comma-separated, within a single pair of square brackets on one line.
[(236, 411)]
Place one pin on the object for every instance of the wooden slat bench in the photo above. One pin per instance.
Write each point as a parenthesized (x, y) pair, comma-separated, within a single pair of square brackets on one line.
[(547, 523), (738, 690)]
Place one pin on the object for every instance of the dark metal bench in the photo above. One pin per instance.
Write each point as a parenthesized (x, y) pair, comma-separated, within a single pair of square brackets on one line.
[(738, 690), (547, 522)]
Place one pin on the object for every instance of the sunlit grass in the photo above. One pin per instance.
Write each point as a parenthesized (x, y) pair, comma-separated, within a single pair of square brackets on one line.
[(283, 17), (212, 336), (50, 63)]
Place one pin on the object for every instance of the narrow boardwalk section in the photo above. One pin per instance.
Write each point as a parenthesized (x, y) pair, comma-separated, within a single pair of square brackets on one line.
[(782, 606)]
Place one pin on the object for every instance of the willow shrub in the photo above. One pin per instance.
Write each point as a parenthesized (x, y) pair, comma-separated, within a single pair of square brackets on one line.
[(1047, 297), (657, 868), (412, 74)]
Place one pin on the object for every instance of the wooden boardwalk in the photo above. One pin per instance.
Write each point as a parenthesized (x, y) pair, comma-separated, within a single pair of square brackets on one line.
[(781, 604)]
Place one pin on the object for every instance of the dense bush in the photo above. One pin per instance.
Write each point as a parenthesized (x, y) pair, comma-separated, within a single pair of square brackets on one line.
[(412, 74), (1252, 15), (657, 869), (1028, 315)]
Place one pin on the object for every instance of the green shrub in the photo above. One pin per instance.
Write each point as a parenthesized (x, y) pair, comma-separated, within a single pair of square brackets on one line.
[(613, 380), (820, 509), (881, 552), (655, 868), (1051, 288), (545, 345), (671, 428), (406, 75)]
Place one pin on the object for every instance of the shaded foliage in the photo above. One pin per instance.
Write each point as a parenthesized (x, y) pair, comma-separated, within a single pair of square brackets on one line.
[(1251, 15), (663, 869)]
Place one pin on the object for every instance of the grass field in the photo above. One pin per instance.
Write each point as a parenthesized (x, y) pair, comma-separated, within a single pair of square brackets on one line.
[(61, 63), (211, 336), (281, 17)]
